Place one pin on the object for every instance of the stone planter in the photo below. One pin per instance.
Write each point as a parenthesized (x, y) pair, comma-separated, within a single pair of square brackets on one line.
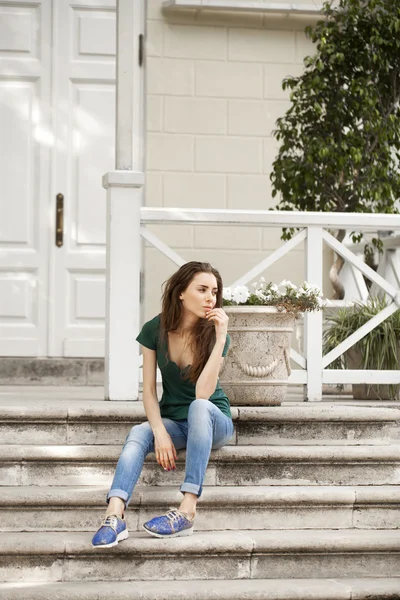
[(257, 367), (362, 391)]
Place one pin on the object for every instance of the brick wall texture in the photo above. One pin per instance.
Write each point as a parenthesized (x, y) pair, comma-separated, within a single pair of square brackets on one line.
[(213, 96)]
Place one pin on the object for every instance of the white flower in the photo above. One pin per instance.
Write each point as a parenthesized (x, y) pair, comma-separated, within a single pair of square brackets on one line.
[(275, 291), (260, 295), (240, 294), (287, 284), (227, 293), (315, 291), (297, 299)]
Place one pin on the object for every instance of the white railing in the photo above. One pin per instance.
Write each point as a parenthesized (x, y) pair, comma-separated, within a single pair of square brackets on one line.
[(313, 372), (388, 268)]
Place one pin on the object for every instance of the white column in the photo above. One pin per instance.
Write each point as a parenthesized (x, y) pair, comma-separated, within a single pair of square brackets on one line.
[(124, 199), (130, 129), (313, 321), (123, 284)]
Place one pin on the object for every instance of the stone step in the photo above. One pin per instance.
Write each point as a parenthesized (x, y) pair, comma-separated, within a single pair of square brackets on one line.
[(56, 557), (220, 508), (21, 371), (231, 465), (102, 422), (236, 589)]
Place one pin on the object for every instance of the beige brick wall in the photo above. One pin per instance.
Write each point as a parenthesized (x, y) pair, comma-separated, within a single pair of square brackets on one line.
[(213, 96)]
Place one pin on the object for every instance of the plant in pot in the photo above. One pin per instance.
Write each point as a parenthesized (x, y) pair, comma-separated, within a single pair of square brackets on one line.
[(379, 349), (339, 141), (261, 322)]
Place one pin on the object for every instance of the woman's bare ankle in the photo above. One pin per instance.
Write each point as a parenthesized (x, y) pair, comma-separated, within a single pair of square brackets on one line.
[(116, 506), (188, 505)]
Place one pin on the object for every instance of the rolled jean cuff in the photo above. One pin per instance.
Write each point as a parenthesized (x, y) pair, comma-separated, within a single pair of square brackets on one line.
[(192, 488), (119, 494)]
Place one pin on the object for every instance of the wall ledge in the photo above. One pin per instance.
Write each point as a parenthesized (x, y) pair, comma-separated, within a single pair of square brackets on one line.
[(261, 6)]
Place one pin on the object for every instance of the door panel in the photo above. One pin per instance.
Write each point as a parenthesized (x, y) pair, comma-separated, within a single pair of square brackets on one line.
[(25, 143), (85, 105)]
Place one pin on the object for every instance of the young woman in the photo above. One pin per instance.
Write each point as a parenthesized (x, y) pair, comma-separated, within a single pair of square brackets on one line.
[(188, 340)]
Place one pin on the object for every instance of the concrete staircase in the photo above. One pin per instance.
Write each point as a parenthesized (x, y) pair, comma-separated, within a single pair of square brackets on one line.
[(303, 505)]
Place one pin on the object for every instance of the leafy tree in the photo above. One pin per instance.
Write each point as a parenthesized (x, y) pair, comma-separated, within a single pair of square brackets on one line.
[(340, 139)]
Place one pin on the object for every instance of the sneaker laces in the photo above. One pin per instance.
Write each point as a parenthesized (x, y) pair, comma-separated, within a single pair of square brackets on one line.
[(111, 521), (174, 514)]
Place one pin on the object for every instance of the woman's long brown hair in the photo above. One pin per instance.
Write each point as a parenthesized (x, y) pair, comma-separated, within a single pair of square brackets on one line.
[(203, 336)]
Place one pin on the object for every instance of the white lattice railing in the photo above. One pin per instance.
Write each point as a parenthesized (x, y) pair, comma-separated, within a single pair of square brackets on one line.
[(314, 233), (388, 268)]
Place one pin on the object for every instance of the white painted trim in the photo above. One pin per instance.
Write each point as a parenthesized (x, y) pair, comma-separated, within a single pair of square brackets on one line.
[(359, 334), (272, 218), (298, 377), (130, 106), (361, 266), (124, 249), (18, 347), (393, 263), (339, 303), (313, 321), (14, 67), (134, 179), (298, 358), (162, 246), (267, 262), (360, 283), (312, 374), (243, 5), (124, 199), (391, 242), (335, 376), (85, 348)]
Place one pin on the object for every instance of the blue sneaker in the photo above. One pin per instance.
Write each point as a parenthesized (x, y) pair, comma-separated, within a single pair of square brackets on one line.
[(113, 530), (173, 524)]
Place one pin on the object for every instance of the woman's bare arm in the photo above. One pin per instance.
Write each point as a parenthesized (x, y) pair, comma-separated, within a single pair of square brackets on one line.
[(164, 448), (150, 400), (207, 381)]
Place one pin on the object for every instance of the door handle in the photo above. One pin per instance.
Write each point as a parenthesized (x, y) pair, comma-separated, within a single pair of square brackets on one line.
[(59, 220)]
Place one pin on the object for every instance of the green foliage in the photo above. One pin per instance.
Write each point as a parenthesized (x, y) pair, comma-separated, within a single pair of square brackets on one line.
[(340, 139), (379, 348)]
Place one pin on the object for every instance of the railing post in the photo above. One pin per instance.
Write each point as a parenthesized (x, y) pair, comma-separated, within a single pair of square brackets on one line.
[(124, 198), (313, 321)]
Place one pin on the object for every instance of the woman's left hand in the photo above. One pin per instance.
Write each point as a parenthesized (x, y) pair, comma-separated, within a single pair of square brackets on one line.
[(220, 318)]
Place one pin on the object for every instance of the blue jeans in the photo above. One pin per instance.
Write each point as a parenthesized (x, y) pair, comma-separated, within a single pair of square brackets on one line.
[(205, 429)]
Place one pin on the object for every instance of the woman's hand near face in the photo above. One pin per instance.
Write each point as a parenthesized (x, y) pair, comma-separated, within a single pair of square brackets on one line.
[(220, 318), (164, 449)]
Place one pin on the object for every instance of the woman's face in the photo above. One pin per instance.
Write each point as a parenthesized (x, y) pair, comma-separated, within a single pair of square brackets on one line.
[(201, 294)]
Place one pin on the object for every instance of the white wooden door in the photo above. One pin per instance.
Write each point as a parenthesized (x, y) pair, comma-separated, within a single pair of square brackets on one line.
[(25, 149), (84, 110), (57, 128)]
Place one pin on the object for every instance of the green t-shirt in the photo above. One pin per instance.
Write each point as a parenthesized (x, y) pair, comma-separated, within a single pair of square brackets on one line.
[(178, 393)]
